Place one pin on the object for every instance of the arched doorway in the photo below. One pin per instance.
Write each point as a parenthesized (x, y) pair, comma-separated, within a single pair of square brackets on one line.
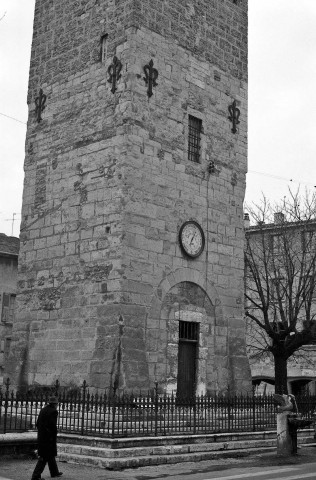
[(220, 356), (190, 320)]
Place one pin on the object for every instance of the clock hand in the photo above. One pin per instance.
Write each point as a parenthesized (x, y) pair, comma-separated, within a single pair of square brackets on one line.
[(192, 238)]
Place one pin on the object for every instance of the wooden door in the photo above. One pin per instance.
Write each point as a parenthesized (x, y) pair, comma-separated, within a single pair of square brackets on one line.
[(186, 369)]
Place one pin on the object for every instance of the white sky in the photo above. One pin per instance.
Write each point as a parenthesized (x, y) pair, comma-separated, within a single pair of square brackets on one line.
[(282, 99)]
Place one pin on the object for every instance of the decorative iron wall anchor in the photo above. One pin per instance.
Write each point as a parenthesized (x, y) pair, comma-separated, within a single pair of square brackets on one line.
[(40, 104), (151, 75), (114, 72), (234, 115)]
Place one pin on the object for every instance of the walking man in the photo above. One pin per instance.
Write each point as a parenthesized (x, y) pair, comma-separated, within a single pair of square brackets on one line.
[(47, 440)]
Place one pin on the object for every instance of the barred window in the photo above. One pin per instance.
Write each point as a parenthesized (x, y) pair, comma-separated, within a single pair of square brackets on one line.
[(188, 331), (195, 130)]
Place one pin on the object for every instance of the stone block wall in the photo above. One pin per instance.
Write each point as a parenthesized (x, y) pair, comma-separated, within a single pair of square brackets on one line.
[(108, 186)]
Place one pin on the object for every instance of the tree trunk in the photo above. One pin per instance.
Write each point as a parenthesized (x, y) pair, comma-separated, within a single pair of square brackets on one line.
[(280, 372)]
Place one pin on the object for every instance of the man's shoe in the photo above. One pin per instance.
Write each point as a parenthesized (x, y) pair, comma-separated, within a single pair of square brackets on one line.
[(59, 474)]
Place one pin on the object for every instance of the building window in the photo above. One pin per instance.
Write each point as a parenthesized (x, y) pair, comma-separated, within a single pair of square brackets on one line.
[(8, 302), (277, 244), (308, 239), (194, 145), (309, 282), (277, 290), (104, 48), (7, 346)]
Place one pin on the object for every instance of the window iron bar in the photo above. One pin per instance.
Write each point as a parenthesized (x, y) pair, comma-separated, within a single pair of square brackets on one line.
[(194, 139)]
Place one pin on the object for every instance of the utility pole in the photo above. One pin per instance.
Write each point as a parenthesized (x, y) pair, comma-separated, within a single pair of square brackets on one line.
[(11, 220)]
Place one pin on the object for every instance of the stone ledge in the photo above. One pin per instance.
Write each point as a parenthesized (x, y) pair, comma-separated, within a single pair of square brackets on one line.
[(14, 438), (18, 443)]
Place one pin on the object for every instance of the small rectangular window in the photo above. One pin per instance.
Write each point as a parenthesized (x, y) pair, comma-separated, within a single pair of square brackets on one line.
[(104, 47), (8, 302), (194, 146)]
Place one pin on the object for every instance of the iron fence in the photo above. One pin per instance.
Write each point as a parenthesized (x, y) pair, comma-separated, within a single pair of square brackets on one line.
[(130, 415)]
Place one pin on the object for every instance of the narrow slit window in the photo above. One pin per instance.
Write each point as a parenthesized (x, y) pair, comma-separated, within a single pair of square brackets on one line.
[(8, 301), (104, 48), (194, 147)]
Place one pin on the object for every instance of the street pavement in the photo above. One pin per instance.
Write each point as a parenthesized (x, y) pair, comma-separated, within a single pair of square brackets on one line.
[(267, 466), (305, 471)]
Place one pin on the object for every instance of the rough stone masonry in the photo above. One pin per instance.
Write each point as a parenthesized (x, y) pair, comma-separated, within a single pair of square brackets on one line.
[(103, 282)]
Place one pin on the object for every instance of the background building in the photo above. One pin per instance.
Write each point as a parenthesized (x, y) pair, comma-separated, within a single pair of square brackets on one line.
[(302, 365), (9, 250), (131, 263)]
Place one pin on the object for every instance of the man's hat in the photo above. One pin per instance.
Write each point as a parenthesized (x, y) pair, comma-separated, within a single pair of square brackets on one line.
[(53, 400)]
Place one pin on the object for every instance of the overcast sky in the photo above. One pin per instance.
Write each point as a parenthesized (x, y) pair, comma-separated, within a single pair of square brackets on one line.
[(282, 100)]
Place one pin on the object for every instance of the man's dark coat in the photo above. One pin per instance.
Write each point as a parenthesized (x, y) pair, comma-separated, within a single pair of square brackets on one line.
[(47, 432)]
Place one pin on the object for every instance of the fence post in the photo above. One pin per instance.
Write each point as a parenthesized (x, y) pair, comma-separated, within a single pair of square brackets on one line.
[(113, 413), (84, 388), (57, 385), (254, 410), (6, 404), (228, 405), (156, 409), (195, 399)]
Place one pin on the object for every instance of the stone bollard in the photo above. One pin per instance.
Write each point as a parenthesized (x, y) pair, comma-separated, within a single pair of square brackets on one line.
[(287, 424), (284, 437)]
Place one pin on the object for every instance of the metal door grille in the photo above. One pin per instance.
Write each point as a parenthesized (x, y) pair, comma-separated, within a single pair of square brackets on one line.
[(195, 129)]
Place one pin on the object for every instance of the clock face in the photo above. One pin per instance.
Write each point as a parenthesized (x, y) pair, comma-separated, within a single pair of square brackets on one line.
[(192, 239)]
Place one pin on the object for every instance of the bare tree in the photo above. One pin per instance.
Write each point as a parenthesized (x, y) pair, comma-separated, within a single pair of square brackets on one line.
[(280, 262)]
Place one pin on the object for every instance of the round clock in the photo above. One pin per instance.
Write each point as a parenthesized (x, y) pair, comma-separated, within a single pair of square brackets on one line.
[(191, 238)]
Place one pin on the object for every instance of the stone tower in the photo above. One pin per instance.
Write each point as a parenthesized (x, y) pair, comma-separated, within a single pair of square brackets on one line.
[(131, 262)]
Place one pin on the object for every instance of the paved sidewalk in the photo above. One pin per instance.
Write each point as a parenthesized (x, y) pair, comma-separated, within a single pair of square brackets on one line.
[(21, 468)]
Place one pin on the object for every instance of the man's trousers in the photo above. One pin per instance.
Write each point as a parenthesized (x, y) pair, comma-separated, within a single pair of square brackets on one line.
[(41, 463)]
